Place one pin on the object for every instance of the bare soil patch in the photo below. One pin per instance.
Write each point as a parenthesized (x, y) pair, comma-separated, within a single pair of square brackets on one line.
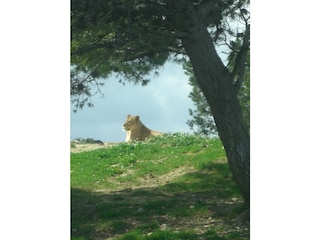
[(148, 181), (85, 147)]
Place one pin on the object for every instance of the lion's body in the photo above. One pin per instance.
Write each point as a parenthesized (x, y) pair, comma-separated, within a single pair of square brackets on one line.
[(136, 130)]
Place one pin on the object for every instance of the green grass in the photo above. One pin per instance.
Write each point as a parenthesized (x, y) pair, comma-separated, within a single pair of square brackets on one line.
[(166, 188)]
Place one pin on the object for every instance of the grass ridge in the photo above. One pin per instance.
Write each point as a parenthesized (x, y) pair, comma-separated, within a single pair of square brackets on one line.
[(177, 186)]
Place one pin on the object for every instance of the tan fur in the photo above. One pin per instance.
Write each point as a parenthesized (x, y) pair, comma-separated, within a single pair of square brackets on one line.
[(136, 130)]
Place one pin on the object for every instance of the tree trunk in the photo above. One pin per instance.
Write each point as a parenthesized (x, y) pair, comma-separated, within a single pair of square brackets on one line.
[(217, 85)]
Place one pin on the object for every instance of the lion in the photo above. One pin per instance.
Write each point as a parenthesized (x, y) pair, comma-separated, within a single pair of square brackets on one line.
[(136, 130)]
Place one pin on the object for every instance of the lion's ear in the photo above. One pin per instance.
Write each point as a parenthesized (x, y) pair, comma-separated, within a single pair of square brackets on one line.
[(128, 116), (137, 117)]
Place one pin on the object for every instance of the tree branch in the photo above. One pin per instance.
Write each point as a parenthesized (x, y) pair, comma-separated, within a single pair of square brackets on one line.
[(205, 8), (240, 62)]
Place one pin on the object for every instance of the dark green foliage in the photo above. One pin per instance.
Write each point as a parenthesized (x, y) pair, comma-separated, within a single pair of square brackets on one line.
[(130, 39), (125, 38)]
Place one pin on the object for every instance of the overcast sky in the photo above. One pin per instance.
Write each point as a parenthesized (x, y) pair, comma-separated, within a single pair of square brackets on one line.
[(163, 105)]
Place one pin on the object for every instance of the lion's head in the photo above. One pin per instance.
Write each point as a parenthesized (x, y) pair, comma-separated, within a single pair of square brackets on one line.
[(131, 123)]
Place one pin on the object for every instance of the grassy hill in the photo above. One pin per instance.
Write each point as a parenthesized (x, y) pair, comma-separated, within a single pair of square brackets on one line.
[(172, 187)]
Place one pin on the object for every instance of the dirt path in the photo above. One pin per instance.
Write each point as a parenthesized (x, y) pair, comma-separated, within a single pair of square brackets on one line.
[(85, 147), (148, 181)]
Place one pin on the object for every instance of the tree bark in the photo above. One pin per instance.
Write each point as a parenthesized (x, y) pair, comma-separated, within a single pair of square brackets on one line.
[(217, 85)]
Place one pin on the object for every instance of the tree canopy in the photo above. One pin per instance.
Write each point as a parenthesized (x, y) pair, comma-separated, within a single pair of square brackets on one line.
[(131, 38)]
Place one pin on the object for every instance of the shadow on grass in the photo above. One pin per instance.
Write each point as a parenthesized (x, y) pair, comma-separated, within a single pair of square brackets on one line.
[(198, 205)]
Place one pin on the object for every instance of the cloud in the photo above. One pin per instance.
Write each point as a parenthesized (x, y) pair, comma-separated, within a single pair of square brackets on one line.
[(162, 105)]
